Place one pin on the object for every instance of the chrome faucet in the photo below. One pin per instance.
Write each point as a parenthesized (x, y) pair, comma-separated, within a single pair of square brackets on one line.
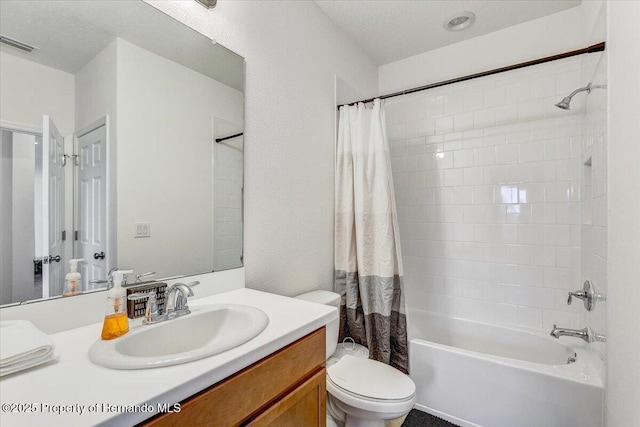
[(175, 306), (177, 296), (586, 334)]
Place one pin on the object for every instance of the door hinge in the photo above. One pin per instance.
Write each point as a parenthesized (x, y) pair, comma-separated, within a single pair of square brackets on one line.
[(75, 235), (69, 156), (64, 235)]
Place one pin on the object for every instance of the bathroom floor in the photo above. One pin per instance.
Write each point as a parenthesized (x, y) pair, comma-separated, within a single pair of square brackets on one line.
[(417, 418)]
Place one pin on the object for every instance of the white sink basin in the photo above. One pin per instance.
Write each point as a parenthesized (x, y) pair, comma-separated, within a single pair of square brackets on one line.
[(208, 330)]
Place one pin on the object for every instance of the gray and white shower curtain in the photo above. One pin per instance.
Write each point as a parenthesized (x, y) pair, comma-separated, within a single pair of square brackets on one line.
[(368, 263)]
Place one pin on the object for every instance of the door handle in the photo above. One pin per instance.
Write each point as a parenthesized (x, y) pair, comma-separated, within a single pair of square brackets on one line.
[(53, 258), (98, 255)]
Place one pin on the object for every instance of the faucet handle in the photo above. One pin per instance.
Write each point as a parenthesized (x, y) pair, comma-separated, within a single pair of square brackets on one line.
[(578, 294), (191, 285), (139, 277)]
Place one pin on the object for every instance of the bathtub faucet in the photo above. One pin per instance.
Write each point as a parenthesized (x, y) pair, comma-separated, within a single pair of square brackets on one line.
[(586, 334)]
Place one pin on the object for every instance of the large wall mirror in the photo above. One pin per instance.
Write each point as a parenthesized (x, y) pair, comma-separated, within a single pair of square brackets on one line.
[(121, 144)]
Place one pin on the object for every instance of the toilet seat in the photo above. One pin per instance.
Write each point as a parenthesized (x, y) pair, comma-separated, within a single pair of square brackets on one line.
[(398, 407), (370, 385)]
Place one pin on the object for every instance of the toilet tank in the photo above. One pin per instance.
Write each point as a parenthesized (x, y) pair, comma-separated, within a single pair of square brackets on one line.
[(326, 298)]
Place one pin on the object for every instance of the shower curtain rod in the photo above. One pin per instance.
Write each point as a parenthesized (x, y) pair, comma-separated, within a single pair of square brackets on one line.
[(229, 137), (599, 47)]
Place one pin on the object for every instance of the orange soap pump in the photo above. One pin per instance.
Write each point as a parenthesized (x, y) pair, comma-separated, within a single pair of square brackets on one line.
[(116, 322)]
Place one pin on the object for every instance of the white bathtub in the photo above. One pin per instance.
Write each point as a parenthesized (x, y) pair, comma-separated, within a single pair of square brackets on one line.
[(474, 374)]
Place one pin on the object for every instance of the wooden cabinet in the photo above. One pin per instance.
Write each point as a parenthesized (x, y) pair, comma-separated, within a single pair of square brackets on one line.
[(286, 388), (304, 406)]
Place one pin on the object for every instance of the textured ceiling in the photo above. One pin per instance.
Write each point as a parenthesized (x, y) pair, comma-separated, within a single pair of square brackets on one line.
[(390, 30), (69, 33)]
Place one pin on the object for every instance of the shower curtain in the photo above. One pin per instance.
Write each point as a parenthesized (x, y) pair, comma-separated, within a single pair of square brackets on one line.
[(368, 263)]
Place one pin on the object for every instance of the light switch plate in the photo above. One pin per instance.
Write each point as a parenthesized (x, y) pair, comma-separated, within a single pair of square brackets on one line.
[(142, 229)]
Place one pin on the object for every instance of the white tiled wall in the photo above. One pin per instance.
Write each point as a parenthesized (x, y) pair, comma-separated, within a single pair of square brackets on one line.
[(487, 176), (228, 173), (594, 191)]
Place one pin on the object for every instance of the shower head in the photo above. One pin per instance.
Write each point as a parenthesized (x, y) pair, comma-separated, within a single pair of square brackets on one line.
[(566, 101), (564, 104)]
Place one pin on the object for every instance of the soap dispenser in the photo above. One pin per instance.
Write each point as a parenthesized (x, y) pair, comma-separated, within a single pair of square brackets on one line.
[(72, 279), (116, 322)]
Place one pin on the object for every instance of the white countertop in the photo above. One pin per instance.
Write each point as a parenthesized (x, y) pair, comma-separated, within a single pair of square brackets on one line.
[(76, 384)]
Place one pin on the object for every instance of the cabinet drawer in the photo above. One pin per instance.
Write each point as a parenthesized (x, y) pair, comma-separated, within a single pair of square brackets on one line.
[(250, 391)]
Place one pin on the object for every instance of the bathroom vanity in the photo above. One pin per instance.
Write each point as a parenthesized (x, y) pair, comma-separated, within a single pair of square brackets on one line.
[(286, 388), (276, 378)]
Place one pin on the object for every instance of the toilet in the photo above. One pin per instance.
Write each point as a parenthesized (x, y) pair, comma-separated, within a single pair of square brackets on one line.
[(360, 392)]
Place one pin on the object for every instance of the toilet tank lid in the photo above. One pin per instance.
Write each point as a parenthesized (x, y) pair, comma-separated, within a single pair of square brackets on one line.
[(321, 297)]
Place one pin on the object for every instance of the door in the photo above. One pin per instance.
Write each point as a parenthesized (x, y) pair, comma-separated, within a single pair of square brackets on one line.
[(53, 209), (92, 206)]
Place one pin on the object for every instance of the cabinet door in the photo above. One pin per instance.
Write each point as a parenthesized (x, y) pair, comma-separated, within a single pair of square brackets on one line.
[(304, 406)]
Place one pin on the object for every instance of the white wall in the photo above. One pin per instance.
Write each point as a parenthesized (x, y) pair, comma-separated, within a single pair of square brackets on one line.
[(165, 147), (293, 51), (487, 183), (23, 248), (38, 189), (19, 208), (95, 88), (30, 90), (6, 215), (623, 364), (557, 33)]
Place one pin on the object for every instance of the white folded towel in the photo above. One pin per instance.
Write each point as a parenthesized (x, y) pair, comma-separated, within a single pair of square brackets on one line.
[(23, 346)]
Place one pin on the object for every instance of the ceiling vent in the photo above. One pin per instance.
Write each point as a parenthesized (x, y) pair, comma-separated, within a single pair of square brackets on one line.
[(17, 44)]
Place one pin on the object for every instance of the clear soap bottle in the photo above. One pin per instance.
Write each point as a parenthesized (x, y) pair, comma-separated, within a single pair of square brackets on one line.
[(72, 279), (116, 322)]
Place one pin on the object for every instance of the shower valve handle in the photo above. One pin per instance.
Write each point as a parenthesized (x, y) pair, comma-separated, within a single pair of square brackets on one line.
[(578, 294), (588, 296)]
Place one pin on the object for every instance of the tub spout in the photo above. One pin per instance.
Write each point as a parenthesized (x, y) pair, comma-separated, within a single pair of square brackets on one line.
[(586, 334)]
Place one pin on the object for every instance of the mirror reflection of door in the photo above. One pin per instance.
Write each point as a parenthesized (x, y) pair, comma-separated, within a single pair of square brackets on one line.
[(92, 200), (53, 209)]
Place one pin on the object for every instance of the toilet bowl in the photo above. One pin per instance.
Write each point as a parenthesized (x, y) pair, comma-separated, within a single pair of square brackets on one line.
[(361, 392)]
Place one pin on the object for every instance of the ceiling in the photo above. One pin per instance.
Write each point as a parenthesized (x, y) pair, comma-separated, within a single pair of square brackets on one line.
[(391, 30), (69, 33)]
